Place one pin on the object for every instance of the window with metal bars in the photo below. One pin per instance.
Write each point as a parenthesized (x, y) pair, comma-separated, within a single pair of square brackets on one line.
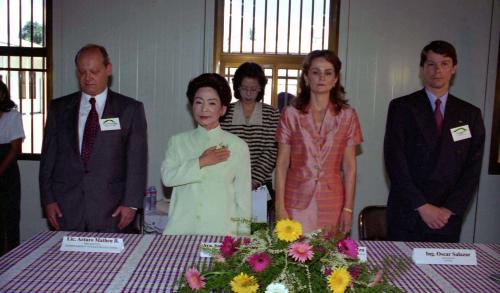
[(277, 34), (25, 64)]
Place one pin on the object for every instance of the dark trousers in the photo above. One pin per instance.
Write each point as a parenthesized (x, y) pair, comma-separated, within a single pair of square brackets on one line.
[(10, 204)]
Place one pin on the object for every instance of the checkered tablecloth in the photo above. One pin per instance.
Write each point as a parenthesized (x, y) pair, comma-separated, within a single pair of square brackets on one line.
[(149, 263), (154, 263), (439, 278)]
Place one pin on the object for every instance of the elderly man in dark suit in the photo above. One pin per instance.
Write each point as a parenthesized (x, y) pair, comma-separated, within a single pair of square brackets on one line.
[(433, 149), (94, 153)]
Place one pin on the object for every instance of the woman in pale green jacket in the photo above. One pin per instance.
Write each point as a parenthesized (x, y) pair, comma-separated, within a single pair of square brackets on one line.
[(208, 168)]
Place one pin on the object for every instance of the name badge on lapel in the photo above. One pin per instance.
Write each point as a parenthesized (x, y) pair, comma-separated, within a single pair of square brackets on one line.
[(109, 124), (460, 133)]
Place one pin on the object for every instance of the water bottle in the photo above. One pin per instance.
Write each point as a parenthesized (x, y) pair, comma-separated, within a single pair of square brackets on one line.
[(152, 198), (147, 200)]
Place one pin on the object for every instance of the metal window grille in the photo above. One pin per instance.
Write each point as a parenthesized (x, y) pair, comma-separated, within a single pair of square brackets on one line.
[(25, 64), (277, 34)]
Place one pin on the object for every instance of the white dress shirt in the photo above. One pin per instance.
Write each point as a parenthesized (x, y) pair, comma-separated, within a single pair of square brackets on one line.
[(85, 109), (433, 98)]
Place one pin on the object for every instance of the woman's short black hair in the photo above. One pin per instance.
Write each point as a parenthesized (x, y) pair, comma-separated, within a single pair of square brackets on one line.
[(249, 70), (6, 104), (212, 80)]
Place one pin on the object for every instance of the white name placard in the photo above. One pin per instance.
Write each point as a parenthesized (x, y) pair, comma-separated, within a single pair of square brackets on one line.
[(208, 249), (362, 253), (435, 256), (92, 244)]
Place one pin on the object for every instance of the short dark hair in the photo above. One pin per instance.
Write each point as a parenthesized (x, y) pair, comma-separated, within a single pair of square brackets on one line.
[(6, 104), (92, 47), (212, 80), (249, 70), (439, 47), (337, 94)]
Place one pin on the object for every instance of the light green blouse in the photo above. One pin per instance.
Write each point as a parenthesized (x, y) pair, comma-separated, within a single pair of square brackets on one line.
[(204, 200)]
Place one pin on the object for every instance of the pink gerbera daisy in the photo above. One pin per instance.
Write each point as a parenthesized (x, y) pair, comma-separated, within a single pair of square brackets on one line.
[(229, 246), (348, 247), (194, 279), (246, 241), (355, 271), (328, 272), (219, 258), (259, 261), (300, 251)]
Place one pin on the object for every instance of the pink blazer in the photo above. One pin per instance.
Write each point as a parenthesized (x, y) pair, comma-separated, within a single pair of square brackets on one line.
[(316, 155)]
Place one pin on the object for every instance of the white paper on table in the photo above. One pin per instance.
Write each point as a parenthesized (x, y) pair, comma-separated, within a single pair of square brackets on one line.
[(92, 244), (155, 221), (259, 204), (444, 256), (362, 253), (206, 248)]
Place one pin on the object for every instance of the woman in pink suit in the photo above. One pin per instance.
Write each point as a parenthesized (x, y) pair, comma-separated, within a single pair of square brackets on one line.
[(317, 136)]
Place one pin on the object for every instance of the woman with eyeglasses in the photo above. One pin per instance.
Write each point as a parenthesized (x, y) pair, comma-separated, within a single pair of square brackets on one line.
[(317, 136), (255, 122), (11, 138), (208, 168)]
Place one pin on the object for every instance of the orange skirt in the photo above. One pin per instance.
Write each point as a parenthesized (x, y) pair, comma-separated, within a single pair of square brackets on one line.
[(313, 219)]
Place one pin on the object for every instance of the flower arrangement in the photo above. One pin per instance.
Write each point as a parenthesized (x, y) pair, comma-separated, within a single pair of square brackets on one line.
[(285, 260)]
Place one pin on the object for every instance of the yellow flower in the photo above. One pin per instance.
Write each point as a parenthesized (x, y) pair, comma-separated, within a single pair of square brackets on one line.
[(244, 283), (288, 230), (338, 280)]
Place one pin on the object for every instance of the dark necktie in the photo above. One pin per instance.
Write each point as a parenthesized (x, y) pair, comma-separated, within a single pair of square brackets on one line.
[(438, 116), (90, 132)]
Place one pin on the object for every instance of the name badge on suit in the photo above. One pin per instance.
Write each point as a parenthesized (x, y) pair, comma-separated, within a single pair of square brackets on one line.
[(460, 133), (109, 124)]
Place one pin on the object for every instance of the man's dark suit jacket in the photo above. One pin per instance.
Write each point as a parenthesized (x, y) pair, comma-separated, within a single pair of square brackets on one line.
[(116, 171), (425, 168)]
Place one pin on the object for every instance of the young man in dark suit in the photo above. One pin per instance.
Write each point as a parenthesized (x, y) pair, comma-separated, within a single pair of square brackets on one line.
[(433, 149), (94, 154)]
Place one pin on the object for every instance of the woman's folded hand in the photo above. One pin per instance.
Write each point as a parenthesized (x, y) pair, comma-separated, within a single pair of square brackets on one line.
[(213, 156)]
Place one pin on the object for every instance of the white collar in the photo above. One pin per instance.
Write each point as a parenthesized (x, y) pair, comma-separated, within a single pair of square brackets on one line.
[(239, 116), (100, 99)]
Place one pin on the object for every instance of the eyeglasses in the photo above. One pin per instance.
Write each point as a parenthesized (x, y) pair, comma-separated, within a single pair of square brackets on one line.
[(251, 90)]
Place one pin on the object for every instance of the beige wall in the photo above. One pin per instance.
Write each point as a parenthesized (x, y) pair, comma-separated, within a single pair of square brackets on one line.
[(156, 46)]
